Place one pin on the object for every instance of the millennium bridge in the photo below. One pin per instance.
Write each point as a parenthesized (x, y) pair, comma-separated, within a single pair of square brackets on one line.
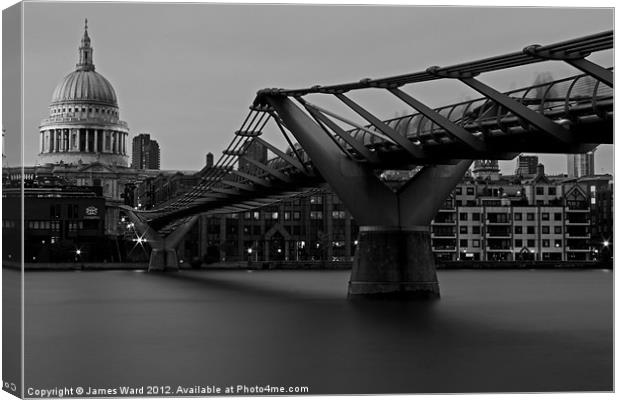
[(393, 255)]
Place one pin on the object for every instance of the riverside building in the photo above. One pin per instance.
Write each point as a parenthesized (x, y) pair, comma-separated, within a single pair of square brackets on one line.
[(488, 217)]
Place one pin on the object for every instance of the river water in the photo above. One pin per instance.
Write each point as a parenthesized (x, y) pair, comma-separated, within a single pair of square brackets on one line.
[(499, 331)]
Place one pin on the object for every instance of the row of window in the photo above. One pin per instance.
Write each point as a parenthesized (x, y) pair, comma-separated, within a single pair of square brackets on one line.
[(540, 190), (518, 243), (288, 215), (56, 211), (44, 225), (505, 217), (518, 230), (90, 110)]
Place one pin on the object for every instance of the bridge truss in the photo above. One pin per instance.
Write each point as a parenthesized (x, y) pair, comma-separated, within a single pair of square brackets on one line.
[(571, 115)]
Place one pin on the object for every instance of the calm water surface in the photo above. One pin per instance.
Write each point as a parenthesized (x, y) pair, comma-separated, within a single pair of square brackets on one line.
[(491, 331)]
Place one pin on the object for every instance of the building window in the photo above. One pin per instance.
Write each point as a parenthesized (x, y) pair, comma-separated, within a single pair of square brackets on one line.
[(545, 229), (256, 215), (338, 214), (557, 229), (316, 215), (557, 216), (531, 243), (463, 230), (475, 243), (518, 217), (558, 243), (287, 215), (296, 215), (316, 199), (463, 243), (530, 216), (551, 191), (545, 243), (531, 230), (459, 190), (55, 212), (475, 216), (470, 191), (463, 216), (518, 230), (540, 190), (518, 243), (475, 230), (544, 216)]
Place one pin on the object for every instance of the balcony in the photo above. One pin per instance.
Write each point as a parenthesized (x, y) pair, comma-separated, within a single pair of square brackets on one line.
[(498, 222), (443, 235), (578, 210), (499, 249), (578, 223), (577, 235), (444, 248), (444, 223), (577, 249), (499, 235)]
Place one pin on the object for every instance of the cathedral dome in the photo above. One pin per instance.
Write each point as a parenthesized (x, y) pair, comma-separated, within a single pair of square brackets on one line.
[(83, 125), (85, 86)]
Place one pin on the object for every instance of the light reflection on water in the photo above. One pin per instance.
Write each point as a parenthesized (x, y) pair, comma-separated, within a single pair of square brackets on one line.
[(490, 331)]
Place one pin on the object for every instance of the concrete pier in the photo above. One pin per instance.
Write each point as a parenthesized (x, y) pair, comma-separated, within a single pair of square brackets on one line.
[(163, 260), (394, 263)]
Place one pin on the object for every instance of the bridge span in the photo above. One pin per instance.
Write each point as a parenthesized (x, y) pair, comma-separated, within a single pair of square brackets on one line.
[(393, 257)]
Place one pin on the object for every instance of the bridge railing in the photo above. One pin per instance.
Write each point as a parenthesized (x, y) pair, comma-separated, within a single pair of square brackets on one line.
[(562, 99)]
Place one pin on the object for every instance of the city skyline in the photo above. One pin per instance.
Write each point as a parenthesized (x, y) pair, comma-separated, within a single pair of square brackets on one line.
[(189, 83)]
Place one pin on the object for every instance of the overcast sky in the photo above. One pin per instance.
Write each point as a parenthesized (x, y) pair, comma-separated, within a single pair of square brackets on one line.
[(186, 73)]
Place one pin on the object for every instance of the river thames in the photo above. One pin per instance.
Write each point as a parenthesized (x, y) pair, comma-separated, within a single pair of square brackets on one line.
[(490, 331)]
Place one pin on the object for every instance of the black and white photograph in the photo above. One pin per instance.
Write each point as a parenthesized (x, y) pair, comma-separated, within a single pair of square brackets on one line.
[(228, 199)]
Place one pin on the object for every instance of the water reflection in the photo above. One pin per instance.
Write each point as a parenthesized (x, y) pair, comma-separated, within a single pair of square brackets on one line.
[(490, 331)]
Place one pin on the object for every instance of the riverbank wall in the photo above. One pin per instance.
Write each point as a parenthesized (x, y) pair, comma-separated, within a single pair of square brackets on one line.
[(310, 265)]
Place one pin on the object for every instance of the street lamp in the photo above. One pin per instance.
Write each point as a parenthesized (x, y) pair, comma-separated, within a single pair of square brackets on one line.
[(606, 243)]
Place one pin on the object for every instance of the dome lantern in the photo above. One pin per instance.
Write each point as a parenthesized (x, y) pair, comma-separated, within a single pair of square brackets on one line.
[(86, 52)]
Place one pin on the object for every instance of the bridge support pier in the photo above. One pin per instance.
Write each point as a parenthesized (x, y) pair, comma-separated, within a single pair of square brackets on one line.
[(163, 259), (394, 258), (394, 263), (163, 248)]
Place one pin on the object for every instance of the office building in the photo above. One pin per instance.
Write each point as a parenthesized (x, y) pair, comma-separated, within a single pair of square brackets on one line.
[(144, 152)]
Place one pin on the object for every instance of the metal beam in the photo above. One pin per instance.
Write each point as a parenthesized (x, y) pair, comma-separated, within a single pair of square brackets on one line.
[(596, 71), (282, 155), (239, 185), (357, 146), (232, 192), (252, 178), (271, 171), (366, 197), (450, 127), (534, 118), (388, 131), (575, 58)]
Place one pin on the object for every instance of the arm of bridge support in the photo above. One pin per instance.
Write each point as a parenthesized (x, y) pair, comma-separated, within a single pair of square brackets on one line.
[(174, 238), (388, 131), (421, 197), (368, 200), (142, 227), (450, 127), (538, 120), (594, 70)]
